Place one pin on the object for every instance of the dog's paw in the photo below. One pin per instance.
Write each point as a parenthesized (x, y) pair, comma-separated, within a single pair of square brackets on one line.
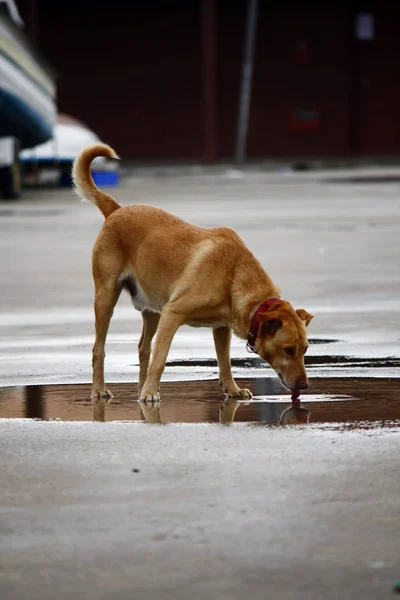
[(102, 395), (148, 396), (244, 394)]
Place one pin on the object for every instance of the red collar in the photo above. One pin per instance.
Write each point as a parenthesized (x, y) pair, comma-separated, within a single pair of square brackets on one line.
[(254, 323)]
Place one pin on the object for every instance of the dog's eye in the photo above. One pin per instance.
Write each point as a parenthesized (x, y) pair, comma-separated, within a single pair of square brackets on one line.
[(290, 350)]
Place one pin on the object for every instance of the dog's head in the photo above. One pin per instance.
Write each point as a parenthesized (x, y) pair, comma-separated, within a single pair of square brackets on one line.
[(282, 342)]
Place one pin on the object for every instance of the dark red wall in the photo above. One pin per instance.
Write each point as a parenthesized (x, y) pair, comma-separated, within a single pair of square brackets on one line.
[(375, 84), (281, 86), (130, 70), (133, 72), (300, 101)]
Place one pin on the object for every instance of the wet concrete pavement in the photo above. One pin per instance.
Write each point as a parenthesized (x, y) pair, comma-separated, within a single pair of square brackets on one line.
[(121, 510), (304, 512), (333, 248)]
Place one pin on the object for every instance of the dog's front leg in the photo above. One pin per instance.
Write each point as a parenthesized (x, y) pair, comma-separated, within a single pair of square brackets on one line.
[(168, 325), (228, 410), (222, 341)]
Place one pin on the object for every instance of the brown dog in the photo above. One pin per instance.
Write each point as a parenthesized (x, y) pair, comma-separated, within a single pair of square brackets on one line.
[(176, 274)]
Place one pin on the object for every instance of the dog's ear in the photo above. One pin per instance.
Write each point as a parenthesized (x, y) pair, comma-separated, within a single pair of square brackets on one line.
[(304, 315), (270, 323)]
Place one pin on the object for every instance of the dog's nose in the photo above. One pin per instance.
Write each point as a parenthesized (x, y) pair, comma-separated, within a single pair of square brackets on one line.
[(302, 385)]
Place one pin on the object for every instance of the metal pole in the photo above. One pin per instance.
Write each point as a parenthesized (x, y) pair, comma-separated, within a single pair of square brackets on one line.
[(33, 22), (209, 81), (245, 88)]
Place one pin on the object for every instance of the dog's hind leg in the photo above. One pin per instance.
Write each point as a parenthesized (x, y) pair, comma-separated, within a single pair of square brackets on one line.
[(222, 341), (104, 303), (150, 324), (106, 272)]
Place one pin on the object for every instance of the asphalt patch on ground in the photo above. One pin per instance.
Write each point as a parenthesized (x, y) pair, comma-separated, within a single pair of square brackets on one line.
[(310, 361), (31, 212), (364, 179)]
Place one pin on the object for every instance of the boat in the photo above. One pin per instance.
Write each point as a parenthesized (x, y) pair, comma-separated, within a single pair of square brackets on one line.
[(28, 105)]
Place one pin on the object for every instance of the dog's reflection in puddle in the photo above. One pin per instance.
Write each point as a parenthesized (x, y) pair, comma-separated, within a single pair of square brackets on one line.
[(294, 415), (150, 412)]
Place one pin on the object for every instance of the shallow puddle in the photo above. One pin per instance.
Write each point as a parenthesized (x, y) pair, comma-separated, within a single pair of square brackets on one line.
[(348, 400)]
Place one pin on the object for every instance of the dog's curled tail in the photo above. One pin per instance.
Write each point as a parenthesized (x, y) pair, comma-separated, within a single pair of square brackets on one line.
[(84, 185)]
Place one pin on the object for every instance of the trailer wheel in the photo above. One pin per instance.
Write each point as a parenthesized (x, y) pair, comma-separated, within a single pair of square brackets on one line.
[(10, 181)]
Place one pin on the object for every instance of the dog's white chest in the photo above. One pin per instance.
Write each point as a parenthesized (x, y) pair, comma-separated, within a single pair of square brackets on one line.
[(140, 299), (210, 323), (143, 301)]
